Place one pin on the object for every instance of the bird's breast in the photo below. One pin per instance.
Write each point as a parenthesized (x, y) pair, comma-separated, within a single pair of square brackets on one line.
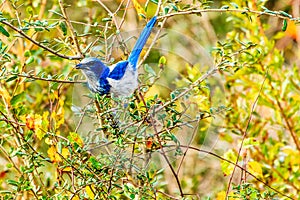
[(126, 85)]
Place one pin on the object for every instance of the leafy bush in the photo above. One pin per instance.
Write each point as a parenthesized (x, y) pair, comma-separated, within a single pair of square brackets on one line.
[(216, 113)]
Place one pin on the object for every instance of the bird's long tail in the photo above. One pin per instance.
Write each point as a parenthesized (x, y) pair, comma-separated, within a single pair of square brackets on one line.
[(138, 47)]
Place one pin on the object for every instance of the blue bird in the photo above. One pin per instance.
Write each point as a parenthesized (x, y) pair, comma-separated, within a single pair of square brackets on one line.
[(121, 79)]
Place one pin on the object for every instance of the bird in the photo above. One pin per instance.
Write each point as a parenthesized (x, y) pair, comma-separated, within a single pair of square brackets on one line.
[(120, 79)]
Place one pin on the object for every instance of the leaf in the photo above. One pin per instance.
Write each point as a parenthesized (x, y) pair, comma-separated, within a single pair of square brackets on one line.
[(17, 98), (234, 5), (29, 10), (149, 69), (284, 25), (255, 168), (65, 152), (106, 19), (154, 1), (225, 7), (38, 125), (13, 182), (51, 153), (3, 31), (75, 138), (63, 27), (11, 78), (162, 60), (139, 9), (166, 10), (250, 142), (29, 60), (90, 191), (227, 167), (221, 195)]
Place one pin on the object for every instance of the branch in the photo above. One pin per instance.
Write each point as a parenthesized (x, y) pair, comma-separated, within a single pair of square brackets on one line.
[(46, 79), (279, 14), (236, 165), (73, 35), (39, 44), (245, 133), (194, 84)]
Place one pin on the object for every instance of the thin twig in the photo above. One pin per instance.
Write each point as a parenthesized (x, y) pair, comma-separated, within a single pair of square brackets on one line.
[(69, 24), (286, 119), (39, 44), (259, 13), (194, 84), (245, 134), (236, 165), (189, 143), (165, 157), (46, 79)]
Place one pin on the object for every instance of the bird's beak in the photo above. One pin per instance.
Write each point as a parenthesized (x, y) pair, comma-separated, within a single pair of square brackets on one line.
[(78, 66)]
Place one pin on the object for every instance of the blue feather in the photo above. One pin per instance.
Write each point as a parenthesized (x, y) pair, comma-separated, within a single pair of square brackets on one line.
[(119, 70), (140, 43)]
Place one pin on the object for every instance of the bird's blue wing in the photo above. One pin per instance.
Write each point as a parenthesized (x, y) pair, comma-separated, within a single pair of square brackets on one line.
[(104, 86), (138, 47), (118, 72), (103, 82)]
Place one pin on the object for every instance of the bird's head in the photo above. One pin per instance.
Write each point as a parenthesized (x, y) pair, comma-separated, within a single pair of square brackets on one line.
[(93, 69), (92, 65)]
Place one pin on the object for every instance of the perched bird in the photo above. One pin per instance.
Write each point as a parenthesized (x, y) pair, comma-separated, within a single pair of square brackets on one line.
[(121, 79)]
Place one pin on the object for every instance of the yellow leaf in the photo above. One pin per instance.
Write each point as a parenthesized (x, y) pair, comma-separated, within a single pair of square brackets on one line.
[(90, 191), (75, 197), (221, 195), (75, 138), (139, 9), (255, 168), (227, 168), (5, 96), (49, 141), (45, 122), (65, 152), (67, 169), (38, 126), (51, 153)]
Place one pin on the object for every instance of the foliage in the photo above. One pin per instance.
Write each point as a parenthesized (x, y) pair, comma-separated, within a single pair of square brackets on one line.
[(216, 124)]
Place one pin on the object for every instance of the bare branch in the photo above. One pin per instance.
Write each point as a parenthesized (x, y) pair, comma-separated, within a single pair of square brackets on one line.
[(39, 44), (245, 133), (69, 24)]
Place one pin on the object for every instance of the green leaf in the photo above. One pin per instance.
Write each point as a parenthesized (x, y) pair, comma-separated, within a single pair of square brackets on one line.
[(234, 5), (154, 1), (13, 182), (162, 60), (149, 70), (11, 78), (106, 19), (29, 60), (284, 25), (29, 10), (3, 31), (17, 98), (38, 29), (225, 7), (166, 10), (63, 27), (285, 14)]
